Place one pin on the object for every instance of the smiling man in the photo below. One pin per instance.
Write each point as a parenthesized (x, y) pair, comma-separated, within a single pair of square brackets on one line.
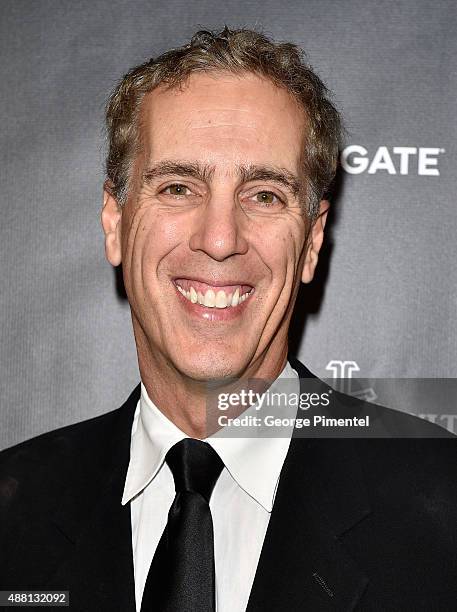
[(220, 154), (213, 234)]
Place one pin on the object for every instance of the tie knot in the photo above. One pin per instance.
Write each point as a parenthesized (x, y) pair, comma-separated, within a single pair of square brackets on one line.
[(195, 466)]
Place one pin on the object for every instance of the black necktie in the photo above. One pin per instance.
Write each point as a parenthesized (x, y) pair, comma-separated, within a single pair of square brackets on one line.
[(181, 576)]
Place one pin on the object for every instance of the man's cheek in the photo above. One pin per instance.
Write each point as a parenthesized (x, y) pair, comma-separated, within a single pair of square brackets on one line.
[(281, 252), (132, 221)]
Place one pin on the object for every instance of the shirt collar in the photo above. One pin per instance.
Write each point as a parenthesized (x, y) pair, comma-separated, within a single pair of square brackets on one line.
[(254, 463), (153, 434)]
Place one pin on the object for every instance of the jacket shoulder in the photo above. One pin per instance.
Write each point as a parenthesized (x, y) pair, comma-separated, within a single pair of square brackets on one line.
[(42, 465)]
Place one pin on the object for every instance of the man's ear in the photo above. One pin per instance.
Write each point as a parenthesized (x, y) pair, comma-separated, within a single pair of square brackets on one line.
[(315, 240), (111, 222)]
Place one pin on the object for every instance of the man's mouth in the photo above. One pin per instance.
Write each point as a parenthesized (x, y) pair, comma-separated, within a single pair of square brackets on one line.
[(221, 295)]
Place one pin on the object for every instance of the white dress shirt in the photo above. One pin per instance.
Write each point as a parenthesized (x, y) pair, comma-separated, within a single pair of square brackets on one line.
[(241, 502)]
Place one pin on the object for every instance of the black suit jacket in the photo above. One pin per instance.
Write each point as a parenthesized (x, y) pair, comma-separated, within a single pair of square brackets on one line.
[(357, 524)]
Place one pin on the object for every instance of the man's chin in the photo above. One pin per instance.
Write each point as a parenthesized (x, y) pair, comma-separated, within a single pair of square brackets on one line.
[(210, 368)]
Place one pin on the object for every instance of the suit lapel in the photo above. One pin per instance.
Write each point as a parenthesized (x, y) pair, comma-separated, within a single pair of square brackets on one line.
[(101, 567), (303, 564)]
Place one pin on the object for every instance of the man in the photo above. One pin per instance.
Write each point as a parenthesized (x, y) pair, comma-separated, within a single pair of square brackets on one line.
[(220, 154)]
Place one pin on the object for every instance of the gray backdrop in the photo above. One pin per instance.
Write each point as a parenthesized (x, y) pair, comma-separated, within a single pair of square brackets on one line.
[(385, 296)]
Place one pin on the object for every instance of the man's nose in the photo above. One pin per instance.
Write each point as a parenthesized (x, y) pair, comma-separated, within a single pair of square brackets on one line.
[(219, 230)]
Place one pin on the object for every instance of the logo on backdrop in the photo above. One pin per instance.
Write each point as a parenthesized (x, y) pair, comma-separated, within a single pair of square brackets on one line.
[(342, 374), (422, 161)]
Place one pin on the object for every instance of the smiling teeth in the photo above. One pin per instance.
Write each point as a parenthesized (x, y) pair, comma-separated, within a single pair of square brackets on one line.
[(214, 300), (210, 298), (193, 295), (236, 297)]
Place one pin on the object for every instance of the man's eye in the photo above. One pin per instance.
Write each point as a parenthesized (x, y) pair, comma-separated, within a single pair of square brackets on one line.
[(177, 190), (267, 198)]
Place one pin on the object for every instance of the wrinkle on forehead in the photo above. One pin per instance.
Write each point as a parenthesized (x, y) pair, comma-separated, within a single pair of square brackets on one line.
[(241, 93), (210, 124), (218, 118), (224, 120)]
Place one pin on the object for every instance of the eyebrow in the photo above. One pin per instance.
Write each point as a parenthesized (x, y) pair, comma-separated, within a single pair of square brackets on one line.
[(270, 173), (205, 173), (169, 167)]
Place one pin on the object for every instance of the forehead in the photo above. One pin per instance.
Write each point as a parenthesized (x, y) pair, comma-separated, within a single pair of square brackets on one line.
[(224, 119)]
